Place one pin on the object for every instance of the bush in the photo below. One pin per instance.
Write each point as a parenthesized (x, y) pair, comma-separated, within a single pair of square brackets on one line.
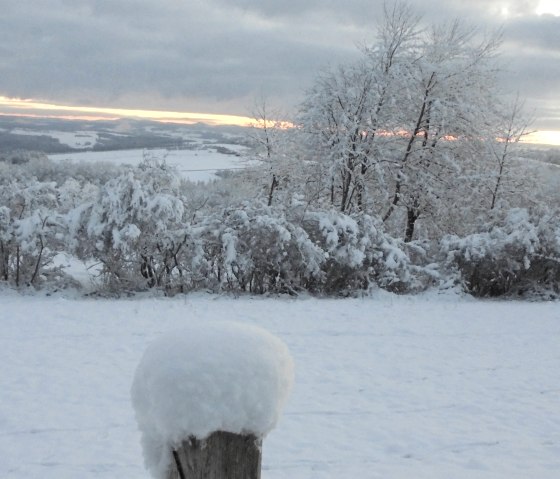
[(135, 228), (146, 234), (257, 249), (517, 255), (359, 254), (30, 232)]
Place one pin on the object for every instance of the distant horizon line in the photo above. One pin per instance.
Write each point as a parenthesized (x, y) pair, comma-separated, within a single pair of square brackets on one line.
[(29, 108)]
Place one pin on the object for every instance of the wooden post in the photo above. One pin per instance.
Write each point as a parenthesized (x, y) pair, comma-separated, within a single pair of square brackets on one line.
[(188, 397), (222, 455)]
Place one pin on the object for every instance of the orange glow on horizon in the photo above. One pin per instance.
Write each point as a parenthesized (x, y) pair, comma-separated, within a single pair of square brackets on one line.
[(13, 106), (28, 108)]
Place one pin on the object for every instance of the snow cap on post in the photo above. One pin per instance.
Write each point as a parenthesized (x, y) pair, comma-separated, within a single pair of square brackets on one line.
[(208, 377)]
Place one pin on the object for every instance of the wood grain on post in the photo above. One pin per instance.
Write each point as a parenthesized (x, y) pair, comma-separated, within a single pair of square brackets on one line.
[(222, 455)]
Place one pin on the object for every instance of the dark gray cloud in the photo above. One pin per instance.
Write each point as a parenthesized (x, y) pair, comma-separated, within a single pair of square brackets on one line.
[(217, 55)]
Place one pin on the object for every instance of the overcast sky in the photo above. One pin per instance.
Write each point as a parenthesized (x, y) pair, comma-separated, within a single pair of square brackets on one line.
[(216, 56)]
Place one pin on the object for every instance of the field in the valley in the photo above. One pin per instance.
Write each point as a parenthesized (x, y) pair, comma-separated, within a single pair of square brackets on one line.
[(429, 387), (194, 165)]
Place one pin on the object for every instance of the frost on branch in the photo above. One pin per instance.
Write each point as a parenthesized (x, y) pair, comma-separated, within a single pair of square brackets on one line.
[(220, 376)]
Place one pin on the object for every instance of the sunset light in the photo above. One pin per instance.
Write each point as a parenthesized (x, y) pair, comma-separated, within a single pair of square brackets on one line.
[(27, 108), (37, 109), (546, 137)]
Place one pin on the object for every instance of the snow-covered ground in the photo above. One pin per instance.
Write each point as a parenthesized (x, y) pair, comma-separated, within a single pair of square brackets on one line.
[(195, 165), (74, 139), (386, 387)]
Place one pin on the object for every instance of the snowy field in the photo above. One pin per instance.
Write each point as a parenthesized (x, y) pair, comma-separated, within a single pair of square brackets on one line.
[(386, 387), (194, 165), (75, 139)]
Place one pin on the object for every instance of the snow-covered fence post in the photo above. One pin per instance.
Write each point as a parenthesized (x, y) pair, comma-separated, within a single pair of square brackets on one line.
[(206, 396)]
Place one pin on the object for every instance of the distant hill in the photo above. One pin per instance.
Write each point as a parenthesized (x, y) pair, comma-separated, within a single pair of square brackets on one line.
[(65, 136)]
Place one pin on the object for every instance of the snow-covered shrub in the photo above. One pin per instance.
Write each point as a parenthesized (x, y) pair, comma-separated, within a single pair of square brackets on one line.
[(97, 173), (394, 264), (31, 231), (359, 254), (135, 228), (21, 157), (424, 270), (342, 241), (518, 254), (257, 249), (73, 193)]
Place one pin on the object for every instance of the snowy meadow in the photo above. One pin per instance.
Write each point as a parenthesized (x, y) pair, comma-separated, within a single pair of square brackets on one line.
[(196, 165), (360, 235), (432, 386)]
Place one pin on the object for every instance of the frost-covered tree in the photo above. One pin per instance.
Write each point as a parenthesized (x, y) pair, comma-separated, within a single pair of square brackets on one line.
[(397, 133), (349, 112), (273, 149), (513, 127), (450, 95), (265, 141)]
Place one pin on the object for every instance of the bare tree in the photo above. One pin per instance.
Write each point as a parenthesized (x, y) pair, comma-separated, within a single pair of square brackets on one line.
[(270, 144), (514, 127)]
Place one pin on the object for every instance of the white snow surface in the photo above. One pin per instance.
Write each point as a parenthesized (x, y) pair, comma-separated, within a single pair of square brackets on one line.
[(77, 139), (194, 165), (207, 377), (386, 387)]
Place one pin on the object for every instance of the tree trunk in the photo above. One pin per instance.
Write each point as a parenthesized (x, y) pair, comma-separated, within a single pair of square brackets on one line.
[(408, 152), (4, 261), (346, 182), (223, 455), (411, 217), (500, 175), (38, 263), (17, 266), (273, 186)]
